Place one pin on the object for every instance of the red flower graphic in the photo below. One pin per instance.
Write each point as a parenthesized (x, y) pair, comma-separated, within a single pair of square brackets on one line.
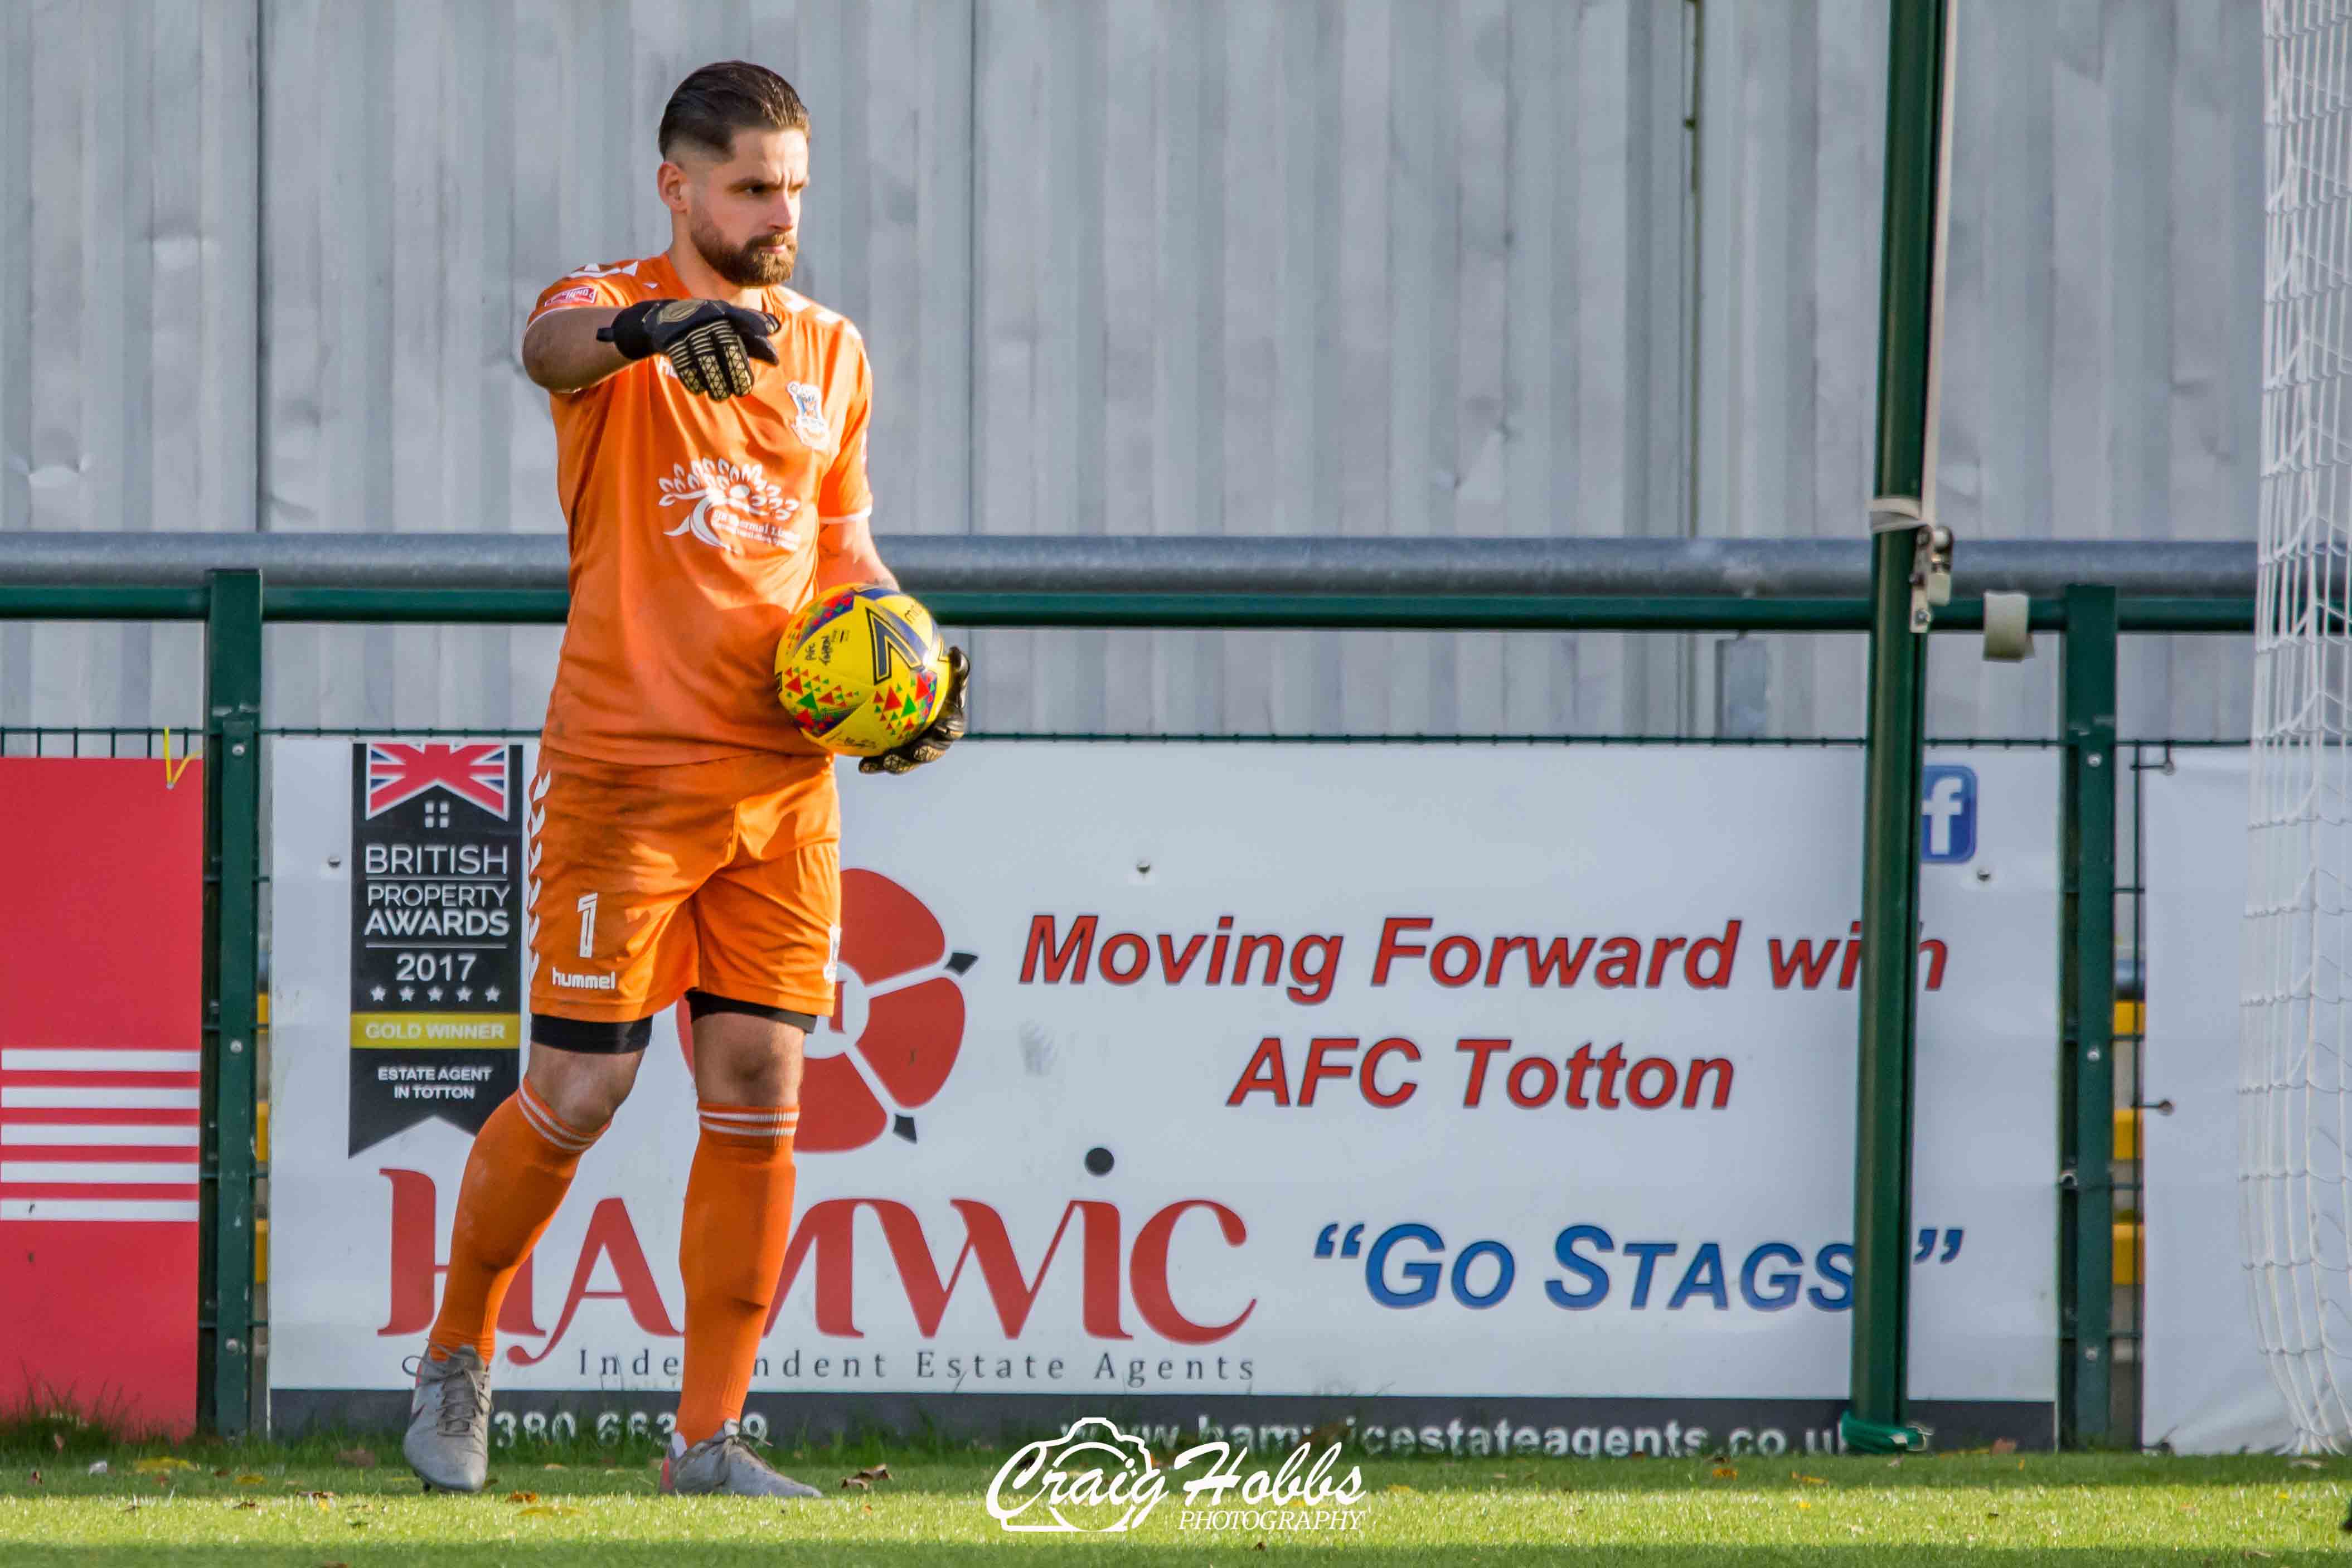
[(896, 1024)]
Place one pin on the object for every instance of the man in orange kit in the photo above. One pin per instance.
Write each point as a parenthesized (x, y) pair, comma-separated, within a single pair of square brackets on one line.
[(684, 838)]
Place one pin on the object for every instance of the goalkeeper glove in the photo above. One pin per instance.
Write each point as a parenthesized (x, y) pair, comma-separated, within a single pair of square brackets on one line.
[(944, 731), (709, 344)]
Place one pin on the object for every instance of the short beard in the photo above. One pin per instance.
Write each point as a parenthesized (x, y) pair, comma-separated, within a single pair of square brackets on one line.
[(748, 265)]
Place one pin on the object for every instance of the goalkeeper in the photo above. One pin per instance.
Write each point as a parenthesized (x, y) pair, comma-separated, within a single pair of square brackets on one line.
[(683, 838)]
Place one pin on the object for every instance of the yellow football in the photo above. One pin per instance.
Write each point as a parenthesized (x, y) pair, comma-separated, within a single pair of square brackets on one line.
[(861, 670)]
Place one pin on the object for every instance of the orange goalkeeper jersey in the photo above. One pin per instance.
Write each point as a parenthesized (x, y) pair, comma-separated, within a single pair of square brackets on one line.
[(694, 530)]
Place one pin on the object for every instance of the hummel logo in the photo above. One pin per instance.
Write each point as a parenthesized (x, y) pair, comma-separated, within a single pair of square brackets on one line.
[(586, 982)]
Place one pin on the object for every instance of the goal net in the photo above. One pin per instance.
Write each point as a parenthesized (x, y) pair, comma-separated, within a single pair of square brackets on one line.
[(2295, 1104)]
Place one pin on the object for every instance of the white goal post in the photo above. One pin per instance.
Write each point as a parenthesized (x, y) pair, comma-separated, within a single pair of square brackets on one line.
[(2295, 1095)]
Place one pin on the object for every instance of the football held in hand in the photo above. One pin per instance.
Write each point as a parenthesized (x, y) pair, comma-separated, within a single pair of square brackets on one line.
[(862, 670)]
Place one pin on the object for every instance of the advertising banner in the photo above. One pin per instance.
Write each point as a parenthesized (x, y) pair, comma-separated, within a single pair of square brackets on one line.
[(2205, 1389), (436, 934), (101, 1009), (1459, 1096)]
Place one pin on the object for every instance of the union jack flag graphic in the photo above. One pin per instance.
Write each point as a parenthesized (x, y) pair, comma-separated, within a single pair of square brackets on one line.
[(477, 773)]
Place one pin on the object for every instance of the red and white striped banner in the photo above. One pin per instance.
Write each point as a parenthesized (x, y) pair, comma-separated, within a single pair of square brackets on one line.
[(101, 1014), (102, 1133)]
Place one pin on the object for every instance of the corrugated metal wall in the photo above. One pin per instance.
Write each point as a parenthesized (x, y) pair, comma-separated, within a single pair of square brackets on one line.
[(1373, 266), (127, 338)]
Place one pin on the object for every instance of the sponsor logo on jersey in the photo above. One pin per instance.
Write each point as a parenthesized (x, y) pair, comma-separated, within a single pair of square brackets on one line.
[(585, 982), (582, 295), (809, 422), (729, 502)]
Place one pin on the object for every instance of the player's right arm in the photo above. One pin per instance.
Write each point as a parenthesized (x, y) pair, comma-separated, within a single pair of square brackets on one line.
[(561, 352), (709, 342)]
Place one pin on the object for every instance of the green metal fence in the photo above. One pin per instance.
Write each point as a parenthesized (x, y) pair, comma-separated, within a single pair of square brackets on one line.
[(235, 606)]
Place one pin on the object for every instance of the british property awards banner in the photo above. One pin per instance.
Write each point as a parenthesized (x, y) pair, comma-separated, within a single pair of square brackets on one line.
[(1466, 1097)]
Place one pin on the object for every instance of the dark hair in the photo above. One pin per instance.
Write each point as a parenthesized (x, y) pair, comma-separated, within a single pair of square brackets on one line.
[(714, 103)]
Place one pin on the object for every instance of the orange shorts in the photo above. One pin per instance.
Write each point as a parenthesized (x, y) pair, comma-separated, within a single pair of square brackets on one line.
[(646, 882)]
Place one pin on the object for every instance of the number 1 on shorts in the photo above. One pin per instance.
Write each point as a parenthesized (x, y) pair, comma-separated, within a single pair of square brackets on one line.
[(587, 925)]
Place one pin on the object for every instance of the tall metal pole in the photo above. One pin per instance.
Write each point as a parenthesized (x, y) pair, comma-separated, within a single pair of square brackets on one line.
[(1902, 520), (225, 1354), (2086, 1210)]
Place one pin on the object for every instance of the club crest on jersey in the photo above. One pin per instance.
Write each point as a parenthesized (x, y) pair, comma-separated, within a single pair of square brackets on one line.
[(727, 502), (809, 422)]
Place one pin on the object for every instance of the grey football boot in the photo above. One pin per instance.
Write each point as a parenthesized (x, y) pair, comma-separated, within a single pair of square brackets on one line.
[(723, 1465), (448, 1440)]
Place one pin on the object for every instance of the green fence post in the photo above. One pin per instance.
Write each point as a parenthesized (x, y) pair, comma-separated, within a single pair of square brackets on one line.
[(1875, 1420), (231, 971), (2087, 1006)]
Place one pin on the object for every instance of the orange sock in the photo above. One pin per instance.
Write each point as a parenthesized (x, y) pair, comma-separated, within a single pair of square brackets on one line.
[(521, 1166), (739, 1216)]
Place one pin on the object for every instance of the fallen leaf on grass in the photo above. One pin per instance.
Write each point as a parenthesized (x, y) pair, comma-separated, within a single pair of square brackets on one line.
[(554, 1466), (860, 1482), (522, 1496), (244, 1502), (358, 1459), (1398, 1486), (159, 1465), (1802, 1503), (338, 1563), (874, 1473), (2004, 1445), (251, 1479), (99, 1467), (1725, 1472), (546, 1511), (2306, 1465), (1809, 1481), (323, 1499), (131, 1508)]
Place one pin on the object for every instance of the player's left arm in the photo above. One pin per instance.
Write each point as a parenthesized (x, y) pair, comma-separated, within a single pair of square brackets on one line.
[(846, 553)]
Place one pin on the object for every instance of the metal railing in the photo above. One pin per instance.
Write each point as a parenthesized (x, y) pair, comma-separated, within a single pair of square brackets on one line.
[(2088, 594)]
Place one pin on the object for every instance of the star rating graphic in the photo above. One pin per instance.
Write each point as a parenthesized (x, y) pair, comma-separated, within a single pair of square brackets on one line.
[(408, 993), (489, 993), (377, 993), (434, 995), (464, 993)]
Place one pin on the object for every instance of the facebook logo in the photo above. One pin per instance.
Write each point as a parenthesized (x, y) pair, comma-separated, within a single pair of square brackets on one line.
[(1947, 814)]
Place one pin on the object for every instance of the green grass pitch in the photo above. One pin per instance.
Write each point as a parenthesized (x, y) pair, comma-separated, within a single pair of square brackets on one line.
[(303, 1507)]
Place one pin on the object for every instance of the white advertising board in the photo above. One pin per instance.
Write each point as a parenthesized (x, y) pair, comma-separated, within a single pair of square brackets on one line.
[(1466, 1095), (2205, 1389)]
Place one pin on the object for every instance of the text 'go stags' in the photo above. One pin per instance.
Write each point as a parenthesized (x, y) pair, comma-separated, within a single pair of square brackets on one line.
[(1310, 964)]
